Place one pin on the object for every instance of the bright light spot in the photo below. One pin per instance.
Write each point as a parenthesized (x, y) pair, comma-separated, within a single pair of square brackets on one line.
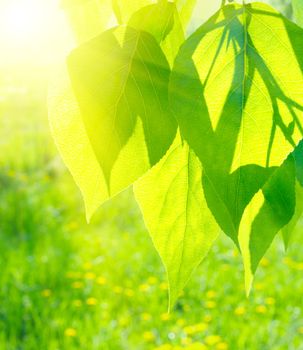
[(22, 22), (30, 29)]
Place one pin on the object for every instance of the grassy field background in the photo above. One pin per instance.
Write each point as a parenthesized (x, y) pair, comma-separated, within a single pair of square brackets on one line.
[(67, 285)]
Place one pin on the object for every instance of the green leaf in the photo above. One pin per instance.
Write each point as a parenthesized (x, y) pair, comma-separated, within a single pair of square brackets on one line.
[(298, 11), (88, 18), (288, 230), (175, 211), (162, 21), (270, 210), (120, 80), (238, 107), (186, 9), (125, 8)]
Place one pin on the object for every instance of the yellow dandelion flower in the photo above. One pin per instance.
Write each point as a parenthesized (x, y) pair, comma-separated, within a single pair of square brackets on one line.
[(78, 285), (181, 322), (101, 281), (46, 293), (77, 303), (70, 332), (186, 341), (240, 311), (144, 287), (299, 266), (145, 316), (207, 318), (149, 336), (152, 280), (117, 290), (196, 328), (164, 347), (222, 346), (211, 294), (90, 276), (264, 262), (270, 301), (212, 340), (197, 346), (261, 309), (165, 317), (129, 292), (259, 286), (91, 301), (164, 286), (210, 304)]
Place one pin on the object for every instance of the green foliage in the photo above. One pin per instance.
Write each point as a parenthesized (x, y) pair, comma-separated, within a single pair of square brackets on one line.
[(298, 11), (233, 89)]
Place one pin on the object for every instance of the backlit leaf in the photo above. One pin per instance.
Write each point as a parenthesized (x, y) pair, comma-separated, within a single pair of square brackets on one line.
[(238, 106), (162, 21), (120, 113), (269, 211), (175, 211), (298, 11)]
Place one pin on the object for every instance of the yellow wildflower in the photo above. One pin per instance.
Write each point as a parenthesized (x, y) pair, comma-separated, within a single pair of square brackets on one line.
[(259, 286), (144, 287), (196, 328), (186, 341), (270, 301), (91, 301), (78, 285), (101, 281), (300, 330), (212, 340), (46, 293), (164, 286), (90, 276), (181, 322), (240, 311), (222, 346), (207, 318), (152, 280), (299, 266), (197, 346), (211, 294), (164, 347), (145, 316), (210, 304), (264, 262), (148, 336), (70, 332), (261, 309), (165, 317)]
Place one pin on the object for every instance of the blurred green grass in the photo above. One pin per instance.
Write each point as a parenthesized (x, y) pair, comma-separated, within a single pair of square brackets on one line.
[(68, 285)]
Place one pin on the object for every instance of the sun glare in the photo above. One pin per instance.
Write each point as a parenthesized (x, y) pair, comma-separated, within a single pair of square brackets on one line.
[(30, 28), (22, 22)]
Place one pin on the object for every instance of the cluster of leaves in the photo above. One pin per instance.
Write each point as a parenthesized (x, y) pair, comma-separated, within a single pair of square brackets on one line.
[(207, 126)]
